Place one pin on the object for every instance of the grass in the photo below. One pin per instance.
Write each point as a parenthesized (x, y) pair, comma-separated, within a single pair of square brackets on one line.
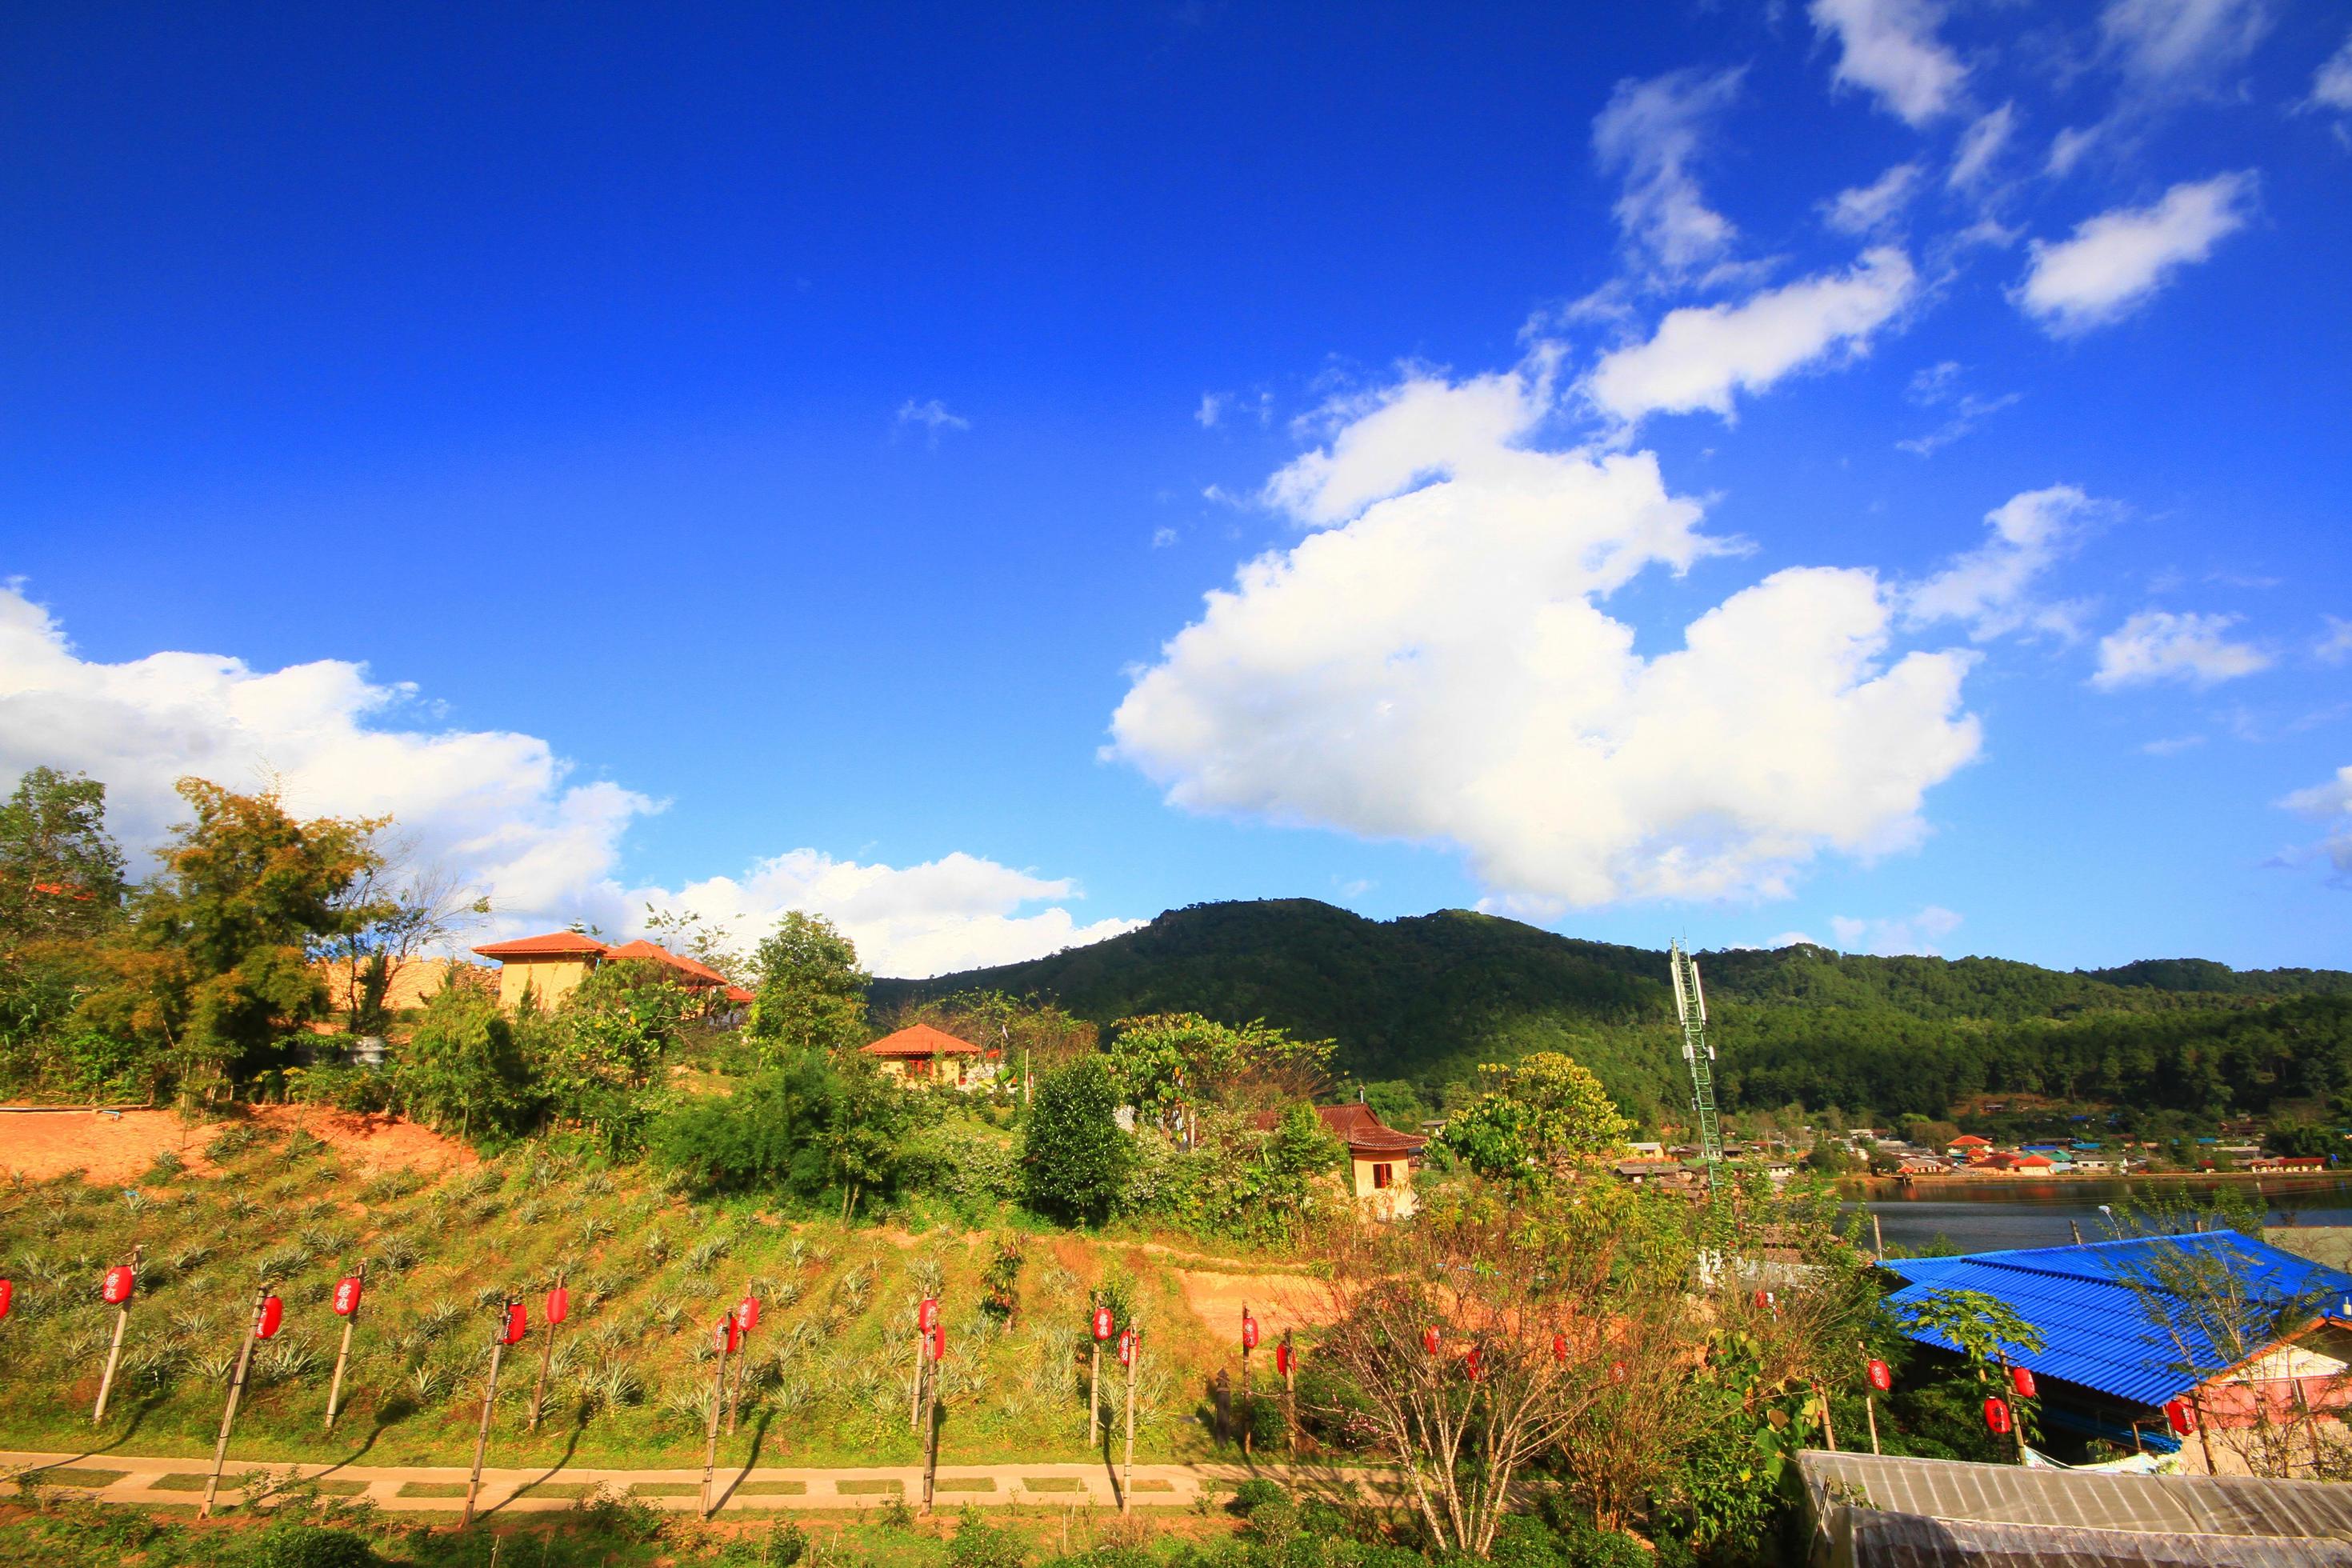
[(870, 1489), (431, 1488), (554, 1488), (193, 1481), (772, 1489), (828, 1361), (1052, 1484), (665, 1489), (964, 1484), (70, 1476)]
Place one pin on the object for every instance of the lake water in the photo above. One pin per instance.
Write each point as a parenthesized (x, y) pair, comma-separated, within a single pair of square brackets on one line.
[(1989, 1215)]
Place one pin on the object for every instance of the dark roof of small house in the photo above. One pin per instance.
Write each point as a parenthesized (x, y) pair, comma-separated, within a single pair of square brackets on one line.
[(1360, 1128)]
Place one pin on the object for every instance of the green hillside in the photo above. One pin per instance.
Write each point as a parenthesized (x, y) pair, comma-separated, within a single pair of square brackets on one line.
[(1426, 998)]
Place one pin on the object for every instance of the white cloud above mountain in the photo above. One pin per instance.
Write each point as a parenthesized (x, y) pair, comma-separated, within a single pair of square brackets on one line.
[(1651, 133), (2115, 262), (1703, 357), (2187, 648), (1434, 663), (1993, 589), (499, 809), (1889, 48), (2331, 803)]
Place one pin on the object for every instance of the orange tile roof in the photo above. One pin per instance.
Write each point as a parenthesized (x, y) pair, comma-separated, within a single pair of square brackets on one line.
[(698, 973), (922, 1040), (555, 944), (1359, 1127)]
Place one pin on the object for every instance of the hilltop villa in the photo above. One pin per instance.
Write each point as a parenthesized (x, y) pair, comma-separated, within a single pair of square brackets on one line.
[(920, 1052), (551, 967)]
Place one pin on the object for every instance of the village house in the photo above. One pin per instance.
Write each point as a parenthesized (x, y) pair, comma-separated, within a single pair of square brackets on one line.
[(922, 1053), (1381, 1160), (551, 967), (2289, 1162), (1969, 1146)]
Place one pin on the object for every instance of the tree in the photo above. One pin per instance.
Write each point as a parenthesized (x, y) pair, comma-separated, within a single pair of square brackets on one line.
[(463, 1070), (60, 873), (2304, 1139), (767, 1134), (391, 916), (870, 1117), (688, 934), (811, 993), (1074, 1155), (596, 1058), (216, 965), (1542, 1113), (1172, 1064)]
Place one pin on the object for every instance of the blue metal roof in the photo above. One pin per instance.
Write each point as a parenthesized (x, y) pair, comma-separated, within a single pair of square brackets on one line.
[(2105, 1318)]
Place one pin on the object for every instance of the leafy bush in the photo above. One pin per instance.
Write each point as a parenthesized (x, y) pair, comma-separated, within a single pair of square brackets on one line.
[(1076, 1154), (979, 1545), (291, 1545)]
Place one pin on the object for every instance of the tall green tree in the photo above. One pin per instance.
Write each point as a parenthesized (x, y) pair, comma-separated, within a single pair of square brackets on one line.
[(1075, 1155), (1542, 1113), (216, 964), (61, 872), (767, 1135), (1173, 1066), (810, 993), (463, 1070)]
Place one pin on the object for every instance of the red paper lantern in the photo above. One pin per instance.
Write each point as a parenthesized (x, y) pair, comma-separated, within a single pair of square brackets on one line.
[(7, 1294), (1283, 1358), (2022, 1379), (118, 1284), (1429, 1340), (1104, 1326), (2175, 1416), (1126, 1348), (518, 1324), (1616, 1371), (1249, 1333), (726, 1335), (1997, 1415), (1472, 1363), (747, 1313), (1559, 1349), (926, 1315), (273, 1314), (559, 1306), (347, 1290), (936, 1343), (1882, 1376)]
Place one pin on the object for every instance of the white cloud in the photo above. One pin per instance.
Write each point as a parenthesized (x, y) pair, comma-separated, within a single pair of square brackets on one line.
[(1990, 589), (2173, 745), (1700, 356), (2331, 84), (2332, 802), (1212, 409), (1981, 143), (1162, 538), (1891, 937), (2334, 645), (1889, 47), (932, 415), (1436, 665), (2157, 645), (2164, 43), (499, 809), (2066, 149), (1866, 209), (1939, 387), (2116, 260), (1651, 132)]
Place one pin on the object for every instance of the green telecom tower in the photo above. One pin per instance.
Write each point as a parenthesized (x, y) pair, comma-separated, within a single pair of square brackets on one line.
[(1690, 1011)]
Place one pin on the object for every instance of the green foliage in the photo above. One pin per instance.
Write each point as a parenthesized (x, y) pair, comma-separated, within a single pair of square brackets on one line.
[(1987, 1330), (288, 1544), (1075, 1156), (593, 1061), (1545, 1112), (979, 1544), (1172, 1064), (2305, 1138), (463, 1070), (805, 1125), (811, 993), (60, 873)]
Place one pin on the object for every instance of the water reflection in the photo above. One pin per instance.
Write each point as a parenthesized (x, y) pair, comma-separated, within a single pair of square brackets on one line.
[(1986, 1215)]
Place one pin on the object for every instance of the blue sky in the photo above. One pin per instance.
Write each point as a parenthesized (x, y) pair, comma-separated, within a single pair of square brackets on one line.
[(1872, 470)]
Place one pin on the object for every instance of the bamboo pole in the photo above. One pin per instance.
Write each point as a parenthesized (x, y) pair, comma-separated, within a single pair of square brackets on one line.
[(546, 1358), (1127, 1473), (735, 1382), (931, 1426), (1290, 1392), (114, 1351), (1248, 1425), (915, 1388), (343, 1355), (717, 1394), (1877, 1235), (1094, 1396), (235, 1393), (490, 1397)]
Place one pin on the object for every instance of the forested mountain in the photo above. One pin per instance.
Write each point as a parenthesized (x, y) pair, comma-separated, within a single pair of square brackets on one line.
[(1426, 998)]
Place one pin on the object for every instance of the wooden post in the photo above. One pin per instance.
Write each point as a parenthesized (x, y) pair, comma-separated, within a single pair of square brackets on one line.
[(482, 1433), (2196, 1403), (2077, 1231), (930, 1423), (1248, 1425), (1877, 1235), (1829, 1430), (114, 1351), (235, 1392), (546, 1356), (1290, 1391), (718, 1396), (1127, 1475), (2016, 1411), (915, 1390), (2310, 1427), (1093, 1395), (735, 1382), (343, 1355)]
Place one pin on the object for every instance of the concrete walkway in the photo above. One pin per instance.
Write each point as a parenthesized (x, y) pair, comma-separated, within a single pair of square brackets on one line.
[(421, 1489)]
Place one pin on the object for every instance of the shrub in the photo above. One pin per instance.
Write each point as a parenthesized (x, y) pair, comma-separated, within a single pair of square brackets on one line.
[(291, 1545), (979, 1545), (1076, 1154)]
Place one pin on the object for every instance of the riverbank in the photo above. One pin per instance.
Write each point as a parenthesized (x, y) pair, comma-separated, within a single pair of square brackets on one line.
[(1869, 1187)]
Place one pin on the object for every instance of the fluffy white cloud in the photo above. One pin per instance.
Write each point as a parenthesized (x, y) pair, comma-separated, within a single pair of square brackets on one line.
[(1889, 47), (1701, 355), (2331, 84), (2116, 260), (1981, 143), (932, 416), (2161, 43), (1891, 937), (2332, 802), (1990, 588), (499, 809), (1866, 209), (2334, 646), (1436, 665), (1650, 131), (1212, 409), (2157, 645)]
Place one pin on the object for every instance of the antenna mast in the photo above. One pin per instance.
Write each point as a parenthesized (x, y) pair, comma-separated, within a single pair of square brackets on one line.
[(1690, 1011)]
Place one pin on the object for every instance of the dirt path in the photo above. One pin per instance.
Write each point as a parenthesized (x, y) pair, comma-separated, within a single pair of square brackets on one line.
[(422, 1489), (116, 1146)]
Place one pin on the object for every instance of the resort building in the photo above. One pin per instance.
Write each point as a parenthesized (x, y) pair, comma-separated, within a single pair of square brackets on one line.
[(919, 1053), (551, 967)]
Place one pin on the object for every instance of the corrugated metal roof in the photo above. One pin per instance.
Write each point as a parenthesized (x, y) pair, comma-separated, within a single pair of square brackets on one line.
[(2107, 1320)]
